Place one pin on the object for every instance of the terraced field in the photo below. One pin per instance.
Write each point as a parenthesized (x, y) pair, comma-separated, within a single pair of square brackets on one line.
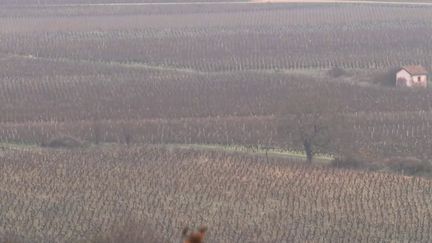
[(120, 81), (70, 196), (228, 38)]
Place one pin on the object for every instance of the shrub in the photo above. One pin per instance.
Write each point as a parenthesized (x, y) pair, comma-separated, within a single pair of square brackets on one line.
[(409, 165), (347, 163), (194, 237), (63, 142), (337, 72), (386, 78)]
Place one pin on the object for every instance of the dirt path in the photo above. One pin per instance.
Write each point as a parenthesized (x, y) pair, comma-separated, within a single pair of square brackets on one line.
[(346, 2), (271, 153), (406, 3), (131, 65), (259, 152)]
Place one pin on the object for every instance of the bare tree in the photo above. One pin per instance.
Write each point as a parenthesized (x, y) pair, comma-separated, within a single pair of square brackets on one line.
[(314, 124), (127, 135), (97, 132)]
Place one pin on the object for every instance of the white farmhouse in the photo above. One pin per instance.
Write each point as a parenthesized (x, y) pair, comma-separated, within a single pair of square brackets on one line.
[(412, 76)]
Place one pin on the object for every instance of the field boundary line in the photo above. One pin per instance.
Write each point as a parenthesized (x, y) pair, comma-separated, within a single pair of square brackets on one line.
[(394, 3), (133, 65), (256, 151), (262, 152)]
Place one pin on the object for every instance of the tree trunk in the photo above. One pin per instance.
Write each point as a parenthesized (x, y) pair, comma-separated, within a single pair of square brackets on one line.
[(308, 150)]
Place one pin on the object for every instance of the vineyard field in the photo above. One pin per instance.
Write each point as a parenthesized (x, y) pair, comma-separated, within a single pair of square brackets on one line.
[(102, 105), (66, 196), (228, 38), (154, 106), (68, 78)]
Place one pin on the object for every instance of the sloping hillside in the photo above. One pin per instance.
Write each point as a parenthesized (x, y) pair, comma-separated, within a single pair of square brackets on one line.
[(70, 195)]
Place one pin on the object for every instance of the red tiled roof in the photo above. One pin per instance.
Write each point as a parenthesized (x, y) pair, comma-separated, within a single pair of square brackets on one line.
[(415, 69)]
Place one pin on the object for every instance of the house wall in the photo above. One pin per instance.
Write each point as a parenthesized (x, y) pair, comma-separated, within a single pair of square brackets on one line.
[(422, 82), (404, 79), (403, 75)]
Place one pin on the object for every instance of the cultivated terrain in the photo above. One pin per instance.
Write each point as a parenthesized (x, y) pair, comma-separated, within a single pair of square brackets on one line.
[(272, 122)]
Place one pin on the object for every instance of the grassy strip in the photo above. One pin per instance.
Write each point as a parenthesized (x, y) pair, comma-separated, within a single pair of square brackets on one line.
[(253, 151), (17, 145), (272, 152)]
